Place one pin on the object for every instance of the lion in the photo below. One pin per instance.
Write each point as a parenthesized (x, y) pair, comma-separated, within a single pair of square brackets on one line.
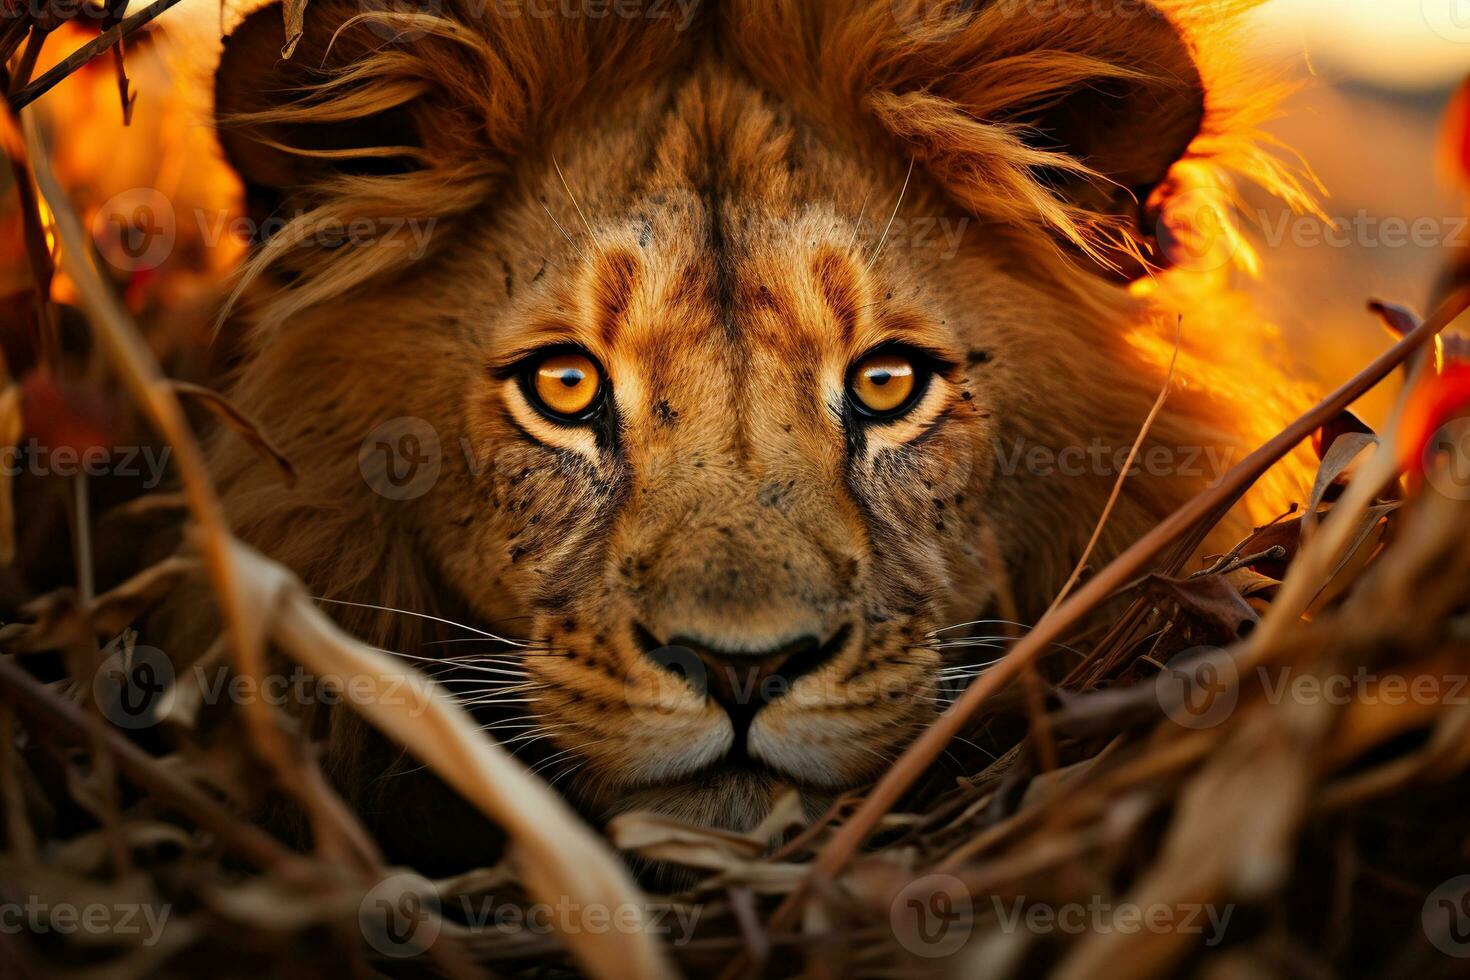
[(676, 381)]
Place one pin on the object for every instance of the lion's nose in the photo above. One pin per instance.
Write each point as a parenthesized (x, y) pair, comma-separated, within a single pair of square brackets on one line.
[(742, 682)]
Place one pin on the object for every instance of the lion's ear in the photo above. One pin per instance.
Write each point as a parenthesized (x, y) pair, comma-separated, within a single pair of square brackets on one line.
[(283, 131), (1058, 113), (1081, 107), (1139, 104)]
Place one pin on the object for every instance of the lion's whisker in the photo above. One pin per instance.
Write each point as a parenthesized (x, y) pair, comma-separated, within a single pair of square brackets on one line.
[(565, 773), (979, 622), (878, 249), (487, 697), (570, 241), (857, 225), (465, 664), (560, 755), (532, 735), (475, 639), (482, 693), (580, 213), (496, 701), (418, 615)]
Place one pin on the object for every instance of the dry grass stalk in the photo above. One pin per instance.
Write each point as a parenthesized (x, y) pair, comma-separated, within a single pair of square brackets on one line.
[(553, 851), (559, 856)]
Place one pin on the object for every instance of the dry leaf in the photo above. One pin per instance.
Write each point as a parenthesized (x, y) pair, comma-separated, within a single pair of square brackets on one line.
[(295, 13), (240, 423), (118, 607)]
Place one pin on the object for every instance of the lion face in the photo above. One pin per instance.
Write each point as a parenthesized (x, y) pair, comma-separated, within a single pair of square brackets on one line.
[(716, 451), (730, 450)]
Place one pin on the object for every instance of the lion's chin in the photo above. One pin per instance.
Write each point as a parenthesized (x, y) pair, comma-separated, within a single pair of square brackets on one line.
[(733, 799), (729, 797)]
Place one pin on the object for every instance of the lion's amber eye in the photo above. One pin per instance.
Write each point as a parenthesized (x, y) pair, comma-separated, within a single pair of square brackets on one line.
[(885, 384), (564, 385)]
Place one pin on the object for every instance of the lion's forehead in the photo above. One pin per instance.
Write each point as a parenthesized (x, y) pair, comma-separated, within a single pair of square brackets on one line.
[(767, 312)]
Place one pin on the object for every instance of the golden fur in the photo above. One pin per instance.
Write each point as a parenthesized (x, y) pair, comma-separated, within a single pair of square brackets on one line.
[(707, 211)]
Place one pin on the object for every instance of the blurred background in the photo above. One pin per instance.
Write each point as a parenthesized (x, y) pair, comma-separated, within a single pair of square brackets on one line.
[(1378, 80), (1379, 77)]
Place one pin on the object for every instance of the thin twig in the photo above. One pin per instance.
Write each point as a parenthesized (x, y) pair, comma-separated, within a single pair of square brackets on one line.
[(81, 56), (140, 373), (1107, 510)]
